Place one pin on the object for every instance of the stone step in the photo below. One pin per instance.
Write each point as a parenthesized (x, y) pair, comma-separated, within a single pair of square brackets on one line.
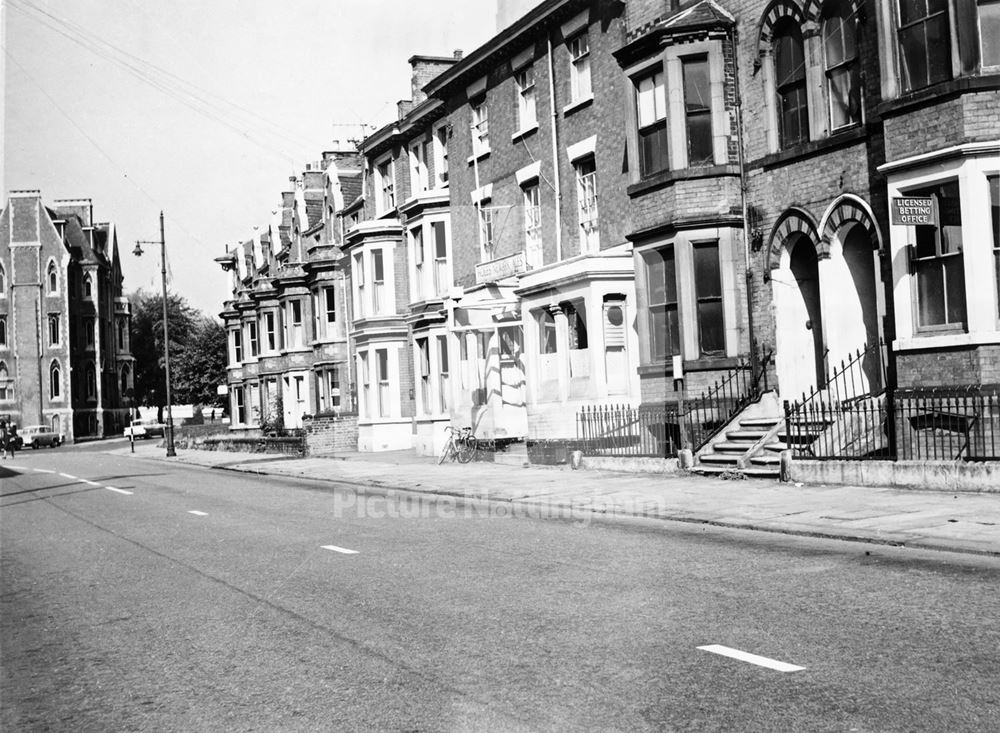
[(765, 423), (766, 459), (777, 446), (761, 472), (730, 459), (729, 446), (750, 435)]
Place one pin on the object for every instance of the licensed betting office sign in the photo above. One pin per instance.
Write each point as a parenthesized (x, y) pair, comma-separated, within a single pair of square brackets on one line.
[(913, 211)]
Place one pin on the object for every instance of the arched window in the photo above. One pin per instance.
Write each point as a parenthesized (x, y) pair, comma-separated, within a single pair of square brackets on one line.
[(53, 278), (88, 288), (6, 388), (3, 331), (124, 380), (55, 381), (3, 282), (91, 382), (843, 77), (790, 83), (55, 425)]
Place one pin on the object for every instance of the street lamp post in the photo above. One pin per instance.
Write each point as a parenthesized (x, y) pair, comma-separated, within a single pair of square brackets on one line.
[(166, 331)]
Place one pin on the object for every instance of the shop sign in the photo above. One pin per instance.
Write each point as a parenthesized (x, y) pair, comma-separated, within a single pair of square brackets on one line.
[(495, 270), (913, 211)]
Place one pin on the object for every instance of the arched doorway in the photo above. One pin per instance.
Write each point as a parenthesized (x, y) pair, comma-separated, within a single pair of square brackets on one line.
[(800, 349), (851, 295)]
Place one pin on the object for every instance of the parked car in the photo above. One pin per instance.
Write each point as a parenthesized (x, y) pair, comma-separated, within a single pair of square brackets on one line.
[(39, 436), (142, 429)]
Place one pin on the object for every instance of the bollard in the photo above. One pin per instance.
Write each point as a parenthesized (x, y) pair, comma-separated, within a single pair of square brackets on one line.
[(685, 458), (131, 441), (785, 468)]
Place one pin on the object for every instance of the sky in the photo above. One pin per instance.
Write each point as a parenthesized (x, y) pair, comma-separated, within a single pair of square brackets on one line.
[(203, 108)]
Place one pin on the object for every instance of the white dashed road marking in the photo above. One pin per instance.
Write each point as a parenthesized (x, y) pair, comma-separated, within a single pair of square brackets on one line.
[(197, 513), (21, 468), (751, 658), (40, 470), (120, 491), (341, 550), (90, 483), (66, 475)]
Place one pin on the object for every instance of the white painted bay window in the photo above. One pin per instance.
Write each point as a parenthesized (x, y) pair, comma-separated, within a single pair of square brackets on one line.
[(382, 376), (419, 271), (937, 261), (480, 128), (385, 200), (651, 116), (442, 271)]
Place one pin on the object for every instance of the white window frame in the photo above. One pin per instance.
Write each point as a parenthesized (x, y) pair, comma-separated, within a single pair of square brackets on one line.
[(531, 198), (587, 204), (385, 186), (527, 112), (419, 180), (480, 127), (581, 84), (440, 143)]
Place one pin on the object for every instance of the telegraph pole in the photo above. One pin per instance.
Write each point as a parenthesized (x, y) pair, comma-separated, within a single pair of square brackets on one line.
[(166, 332)]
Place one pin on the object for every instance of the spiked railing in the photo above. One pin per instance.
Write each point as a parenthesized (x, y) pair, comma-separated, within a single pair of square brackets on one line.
[(846, 416), (622, 430)]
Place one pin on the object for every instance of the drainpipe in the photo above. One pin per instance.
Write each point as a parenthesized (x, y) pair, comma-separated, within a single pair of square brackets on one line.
[(555, 149), (754, 356)]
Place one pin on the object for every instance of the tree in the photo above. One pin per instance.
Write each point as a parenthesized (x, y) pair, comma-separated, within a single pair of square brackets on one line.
[(200, 366), (147, 341)]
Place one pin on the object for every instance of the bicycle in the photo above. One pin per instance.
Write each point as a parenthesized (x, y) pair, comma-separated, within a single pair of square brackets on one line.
[(461, 445)]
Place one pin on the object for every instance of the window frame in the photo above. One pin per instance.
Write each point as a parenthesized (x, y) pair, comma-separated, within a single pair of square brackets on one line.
[(674, 339), (659, 126), (702, 298), (581, 83), (55, 382), (587, 200), (385, 183), (906, 82), (849, 65), (527, 102), (940, 259), (480, 127), (797, 83), (54, 330)]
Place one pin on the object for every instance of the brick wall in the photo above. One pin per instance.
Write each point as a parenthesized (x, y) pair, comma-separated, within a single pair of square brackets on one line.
[(973, 365), (965, 119), (327, 434)]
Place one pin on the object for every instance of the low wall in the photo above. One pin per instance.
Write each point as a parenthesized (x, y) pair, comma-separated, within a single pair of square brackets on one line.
[(294, 446), (933, 475), (329, 434), (627, 464)]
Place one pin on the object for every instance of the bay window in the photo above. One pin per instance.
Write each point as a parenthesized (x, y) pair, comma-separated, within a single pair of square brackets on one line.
[(382, 375), (708, 298), (386, 194), (378, 283), (651, 116), (442, 280), (417, 248), (989, 32), (661, 295), (698, 110), (937, 261)]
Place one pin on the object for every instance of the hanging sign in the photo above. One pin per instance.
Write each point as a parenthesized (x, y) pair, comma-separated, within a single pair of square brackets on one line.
[(913, 211)]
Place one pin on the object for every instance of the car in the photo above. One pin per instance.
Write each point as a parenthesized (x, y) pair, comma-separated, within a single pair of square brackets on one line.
[(142, 429), (38, 436)]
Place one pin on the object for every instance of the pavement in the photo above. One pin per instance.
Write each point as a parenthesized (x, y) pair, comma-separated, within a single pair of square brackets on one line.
[(957, 522)]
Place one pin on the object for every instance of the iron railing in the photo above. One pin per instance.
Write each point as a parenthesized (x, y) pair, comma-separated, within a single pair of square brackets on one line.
[(622, 430), (947, 424), (845, 417)]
